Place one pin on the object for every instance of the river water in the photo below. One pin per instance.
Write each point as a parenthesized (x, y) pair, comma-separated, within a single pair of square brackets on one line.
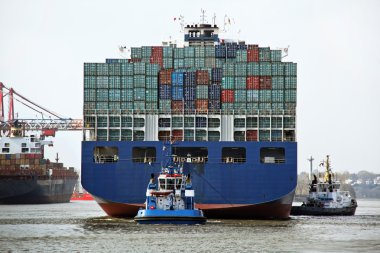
[(81, 226)]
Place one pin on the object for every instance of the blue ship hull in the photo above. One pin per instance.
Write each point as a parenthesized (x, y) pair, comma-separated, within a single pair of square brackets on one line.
[(183, 217), (252, 189)]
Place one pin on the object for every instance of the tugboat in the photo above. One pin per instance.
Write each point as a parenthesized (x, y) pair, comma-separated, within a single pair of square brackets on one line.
[(325, 198), (171, 199)]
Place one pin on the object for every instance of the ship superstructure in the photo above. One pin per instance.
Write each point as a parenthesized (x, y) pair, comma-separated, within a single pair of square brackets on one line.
[(230, 106)]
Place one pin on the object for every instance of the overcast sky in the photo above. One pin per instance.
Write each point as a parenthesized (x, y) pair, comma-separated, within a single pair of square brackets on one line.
[(43, 45)]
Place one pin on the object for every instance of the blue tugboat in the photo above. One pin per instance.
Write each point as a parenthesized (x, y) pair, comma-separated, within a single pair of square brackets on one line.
[(170, 200)]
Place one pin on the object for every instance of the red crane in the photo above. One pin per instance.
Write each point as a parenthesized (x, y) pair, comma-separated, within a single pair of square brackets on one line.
[(47, 126)]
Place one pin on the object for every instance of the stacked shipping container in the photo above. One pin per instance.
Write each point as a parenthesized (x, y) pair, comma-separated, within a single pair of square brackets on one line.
[(226, 77)]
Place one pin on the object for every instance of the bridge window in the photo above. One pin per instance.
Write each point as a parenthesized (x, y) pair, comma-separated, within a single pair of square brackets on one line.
[(144, 154), (24, 150), (138, 122), (234, 155), (252, 122), (213, 122), (239, 122), (190, 154), (164, 122), (5, 150), (272, 155), (106, 154), (239, 135), (164, 135)]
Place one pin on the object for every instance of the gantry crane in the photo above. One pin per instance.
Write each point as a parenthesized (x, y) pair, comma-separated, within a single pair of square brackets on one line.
[(48, 126)]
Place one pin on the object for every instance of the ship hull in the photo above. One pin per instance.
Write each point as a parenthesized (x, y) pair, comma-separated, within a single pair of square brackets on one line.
[(278, 209), (248, 190), (21, 190), (320, 211)]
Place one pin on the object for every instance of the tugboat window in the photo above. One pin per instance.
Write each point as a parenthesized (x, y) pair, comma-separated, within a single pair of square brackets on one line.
[(234, 155), (190, 154), (144, 154), (272, 155), (106, 154)]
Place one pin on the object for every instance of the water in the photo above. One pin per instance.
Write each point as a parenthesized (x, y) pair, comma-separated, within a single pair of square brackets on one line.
[(82, 226)]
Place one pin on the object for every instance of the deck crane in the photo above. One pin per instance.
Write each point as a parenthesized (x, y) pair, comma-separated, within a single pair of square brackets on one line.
[(48, 127)]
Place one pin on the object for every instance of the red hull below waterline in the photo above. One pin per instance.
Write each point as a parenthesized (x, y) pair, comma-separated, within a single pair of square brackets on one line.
[(278, 209)]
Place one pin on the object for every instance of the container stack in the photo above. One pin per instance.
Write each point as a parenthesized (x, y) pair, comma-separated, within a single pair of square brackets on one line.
[(225, 78)]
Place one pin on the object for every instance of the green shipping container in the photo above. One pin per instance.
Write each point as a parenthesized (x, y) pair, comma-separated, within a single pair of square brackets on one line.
[(136, 52), (200, 52), (151, 95), (114, 95), (179, 63), (114, 82), (167, 52), (114, 69), (146, 52), (167, 63), (127, 96), (227, 106), (210, 62), (290, 82), (126, 105), (264, 135), (278, 69), (102, 105), (102, 82), (151, 105), (252, 107), (189, 52), (278, 96), (275, 55), (265, 69), (102, 95), (151, 82), (102, 69), (277, 106), (189, 135), (210, 51), (241, 56), (240, 83), (127, 82), (240, 96), (264, 54), (240, 106), (90, 82), (199, 63), (89, 95), (202, 91), (139, 81), (264, 122), (265, 106), (189, 63), (127, 69), (228, 69), (165, 104), (139, 94), (228, 83), (253, 68), (139, 68), (277, 82), (219, 63), (290, 95), (179, 53), (265, 95), (290, 69), (114, 105), (139, 105), (90, 69), (152, 69), (241, 69)]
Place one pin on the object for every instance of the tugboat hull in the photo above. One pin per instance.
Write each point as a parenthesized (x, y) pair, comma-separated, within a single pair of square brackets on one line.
[(321, 211), (181, 217)]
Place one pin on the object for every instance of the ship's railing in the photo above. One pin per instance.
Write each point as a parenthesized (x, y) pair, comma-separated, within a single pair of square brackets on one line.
[(276, 160), (188, 112), (234, 159), (106, 158)]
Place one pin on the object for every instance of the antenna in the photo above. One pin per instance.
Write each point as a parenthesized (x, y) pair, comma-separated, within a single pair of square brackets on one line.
[(214, 19), (311, 159), (203, 16)]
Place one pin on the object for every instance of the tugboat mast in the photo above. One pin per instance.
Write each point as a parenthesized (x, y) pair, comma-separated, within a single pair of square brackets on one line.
[(311, 159)]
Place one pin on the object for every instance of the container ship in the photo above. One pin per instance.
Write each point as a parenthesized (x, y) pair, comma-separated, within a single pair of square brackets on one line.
[(229, 107), (26, 177)]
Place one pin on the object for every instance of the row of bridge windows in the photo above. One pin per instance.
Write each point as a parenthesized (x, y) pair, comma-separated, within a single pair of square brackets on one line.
[(190, 155)]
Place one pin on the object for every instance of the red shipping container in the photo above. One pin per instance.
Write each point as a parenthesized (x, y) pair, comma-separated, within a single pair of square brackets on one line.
[(228, 96), (253, 47), (201, 105), (265, 83), (251, 135), (164, 135), (157, 60), (177, 135), (202, 77), (253, 82), (166, 76), (253, 55), (157, 52), (177, 106)]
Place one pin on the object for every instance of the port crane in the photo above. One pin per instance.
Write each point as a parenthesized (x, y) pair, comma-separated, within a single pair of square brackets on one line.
[(48, 126)]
